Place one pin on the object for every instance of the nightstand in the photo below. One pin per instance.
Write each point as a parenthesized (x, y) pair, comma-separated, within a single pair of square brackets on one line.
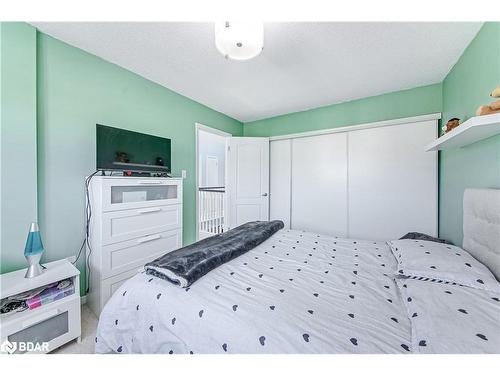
[(48, 326)]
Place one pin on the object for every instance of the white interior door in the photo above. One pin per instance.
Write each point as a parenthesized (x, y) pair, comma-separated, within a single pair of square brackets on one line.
[(248, 180), (392, 181), (319, 184)]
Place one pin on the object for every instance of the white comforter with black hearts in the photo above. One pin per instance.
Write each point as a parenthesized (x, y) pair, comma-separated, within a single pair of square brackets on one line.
[(297, 292), (451, 319)]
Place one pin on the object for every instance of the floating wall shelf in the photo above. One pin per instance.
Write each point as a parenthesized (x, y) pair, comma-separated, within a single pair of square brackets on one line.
[(472, 130)]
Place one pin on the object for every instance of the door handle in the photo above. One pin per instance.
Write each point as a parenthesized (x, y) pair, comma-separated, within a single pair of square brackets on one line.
[(264, 195), (149, 211), (149, 238), (152, 182)]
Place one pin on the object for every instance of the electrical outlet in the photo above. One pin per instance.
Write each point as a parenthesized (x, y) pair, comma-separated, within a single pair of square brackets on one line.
[(184, 173)]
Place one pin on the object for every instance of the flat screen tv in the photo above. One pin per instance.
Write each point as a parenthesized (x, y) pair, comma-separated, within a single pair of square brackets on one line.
[(125, 150)]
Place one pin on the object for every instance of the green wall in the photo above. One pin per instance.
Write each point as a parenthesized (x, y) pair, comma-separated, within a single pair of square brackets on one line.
[(18, 183), (75, 91), (466, 87), (406, 103)]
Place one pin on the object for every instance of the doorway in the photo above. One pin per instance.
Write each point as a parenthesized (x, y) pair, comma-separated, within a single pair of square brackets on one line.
[(211, 175)]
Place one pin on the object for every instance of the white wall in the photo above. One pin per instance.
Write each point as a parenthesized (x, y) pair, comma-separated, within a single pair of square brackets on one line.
[(211, 145)]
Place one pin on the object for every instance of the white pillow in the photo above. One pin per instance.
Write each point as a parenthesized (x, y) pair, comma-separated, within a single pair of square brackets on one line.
[(437, 262)]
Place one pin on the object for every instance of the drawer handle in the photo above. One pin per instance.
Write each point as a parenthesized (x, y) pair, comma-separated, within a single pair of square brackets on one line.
[(149, 238), (153, 182), (149, 210)]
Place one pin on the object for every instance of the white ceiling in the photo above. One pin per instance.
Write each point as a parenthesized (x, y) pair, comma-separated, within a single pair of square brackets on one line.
[(302, 66)]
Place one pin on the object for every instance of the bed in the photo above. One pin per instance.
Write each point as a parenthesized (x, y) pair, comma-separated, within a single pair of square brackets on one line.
[(301, 292)]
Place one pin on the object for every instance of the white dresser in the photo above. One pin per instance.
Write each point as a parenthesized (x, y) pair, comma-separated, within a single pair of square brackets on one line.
[(134, 220)]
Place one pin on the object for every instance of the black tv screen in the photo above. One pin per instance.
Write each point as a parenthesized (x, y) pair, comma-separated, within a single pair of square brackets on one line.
[(125, 150)]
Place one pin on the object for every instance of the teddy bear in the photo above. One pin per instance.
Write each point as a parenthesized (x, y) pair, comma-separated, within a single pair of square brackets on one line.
[(492, 107)]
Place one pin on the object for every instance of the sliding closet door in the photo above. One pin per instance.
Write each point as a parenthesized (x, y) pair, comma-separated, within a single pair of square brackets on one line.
[(392, 181), (319, 184), (280, 174)]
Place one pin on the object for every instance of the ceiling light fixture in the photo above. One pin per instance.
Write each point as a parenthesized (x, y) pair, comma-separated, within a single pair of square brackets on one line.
[(239, 40)]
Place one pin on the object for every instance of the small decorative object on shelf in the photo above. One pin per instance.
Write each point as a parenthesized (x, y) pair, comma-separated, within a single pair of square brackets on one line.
[(496, 93), (160, 161), (451, 124), (33, 252), (491, 108), (122, 157), (473, 130)]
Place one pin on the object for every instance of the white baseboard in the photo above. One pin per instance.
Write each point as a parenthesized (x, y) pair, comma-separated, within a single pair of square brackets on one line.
[(83, 300)]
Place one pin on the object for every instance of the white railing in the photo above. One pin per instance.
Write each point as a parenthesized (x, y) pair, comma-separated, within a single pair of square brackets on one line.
[(211, 201)]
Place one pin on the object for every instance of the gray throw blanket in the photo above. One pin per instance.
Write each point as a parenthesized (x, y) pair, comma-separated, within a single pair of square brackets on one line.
[(186, 265), (423, 237)]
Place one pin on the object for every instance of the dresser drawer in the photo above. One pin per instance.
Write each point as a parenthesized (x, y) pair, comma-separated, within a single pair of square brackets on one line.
[(123, 194), (118, 226), (55, 323), (123, 256)]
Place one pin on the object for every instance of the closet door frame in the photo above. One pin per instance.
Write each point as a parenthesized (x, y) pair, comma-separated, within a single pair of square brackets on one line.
[(368, 125), (414, 119), (280, 181)]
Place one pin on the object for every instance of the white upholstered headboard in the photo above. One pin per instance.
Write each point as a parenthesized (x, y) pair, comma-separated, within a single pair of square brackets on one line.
[(482, 227)]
